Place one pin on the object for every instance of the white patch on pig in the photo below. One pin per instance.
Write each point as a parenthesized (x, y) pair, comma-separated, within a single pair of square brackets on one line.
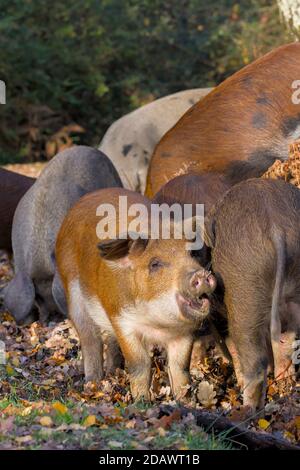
[(76, 301), (90, 306), (97, 312), (156, 321)]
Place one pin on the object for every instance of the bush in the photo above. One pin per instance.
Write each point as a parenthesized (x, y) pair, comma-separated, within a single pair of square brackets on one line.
[(87, 62)]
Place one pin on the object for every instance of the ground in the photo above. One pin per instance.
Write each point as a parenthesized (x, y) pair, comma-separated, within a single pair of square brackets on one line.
[(44, 403)]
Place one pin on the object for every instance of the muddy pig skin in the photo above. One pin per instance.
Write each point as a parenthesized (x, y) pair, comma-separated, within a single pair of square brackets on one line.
[(254, 236), (141, 292), (12, 188), (240, 128), (69, 175)]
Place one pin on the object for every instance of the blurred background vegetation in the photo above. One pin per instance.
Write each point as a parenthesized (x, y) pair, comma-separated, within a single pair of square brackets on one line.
[(73, 67)]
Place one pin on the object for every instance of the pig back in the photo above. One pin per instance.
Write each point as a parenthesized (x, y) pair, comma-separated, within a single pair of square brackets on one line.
[(193, 189), (69, 176), (239, 128), (12, 188), (240, 228)]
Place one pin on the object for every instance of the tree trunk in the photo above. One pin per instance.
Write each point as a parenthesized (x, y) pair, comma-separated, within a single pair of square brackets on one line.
[(290, 11)]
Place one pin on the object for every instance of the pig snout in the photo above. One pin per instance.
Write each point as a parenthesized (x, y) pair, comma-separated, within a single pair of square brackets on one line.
[(194, 300), (202, 282)]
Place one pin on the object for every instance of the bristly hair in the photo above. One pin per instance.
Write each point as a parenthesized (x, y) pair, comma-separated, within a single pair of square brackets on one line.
[(114, 249)]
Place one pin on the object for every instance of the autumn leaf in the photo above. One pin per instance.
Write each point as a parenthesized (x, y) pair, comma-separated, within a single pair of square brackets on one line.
[(59, 407), (167, 420), (263, 424), (89, 421), (9, 370), (6, 425), (206, 394), (26, 411), (24, 439), (46, 421)]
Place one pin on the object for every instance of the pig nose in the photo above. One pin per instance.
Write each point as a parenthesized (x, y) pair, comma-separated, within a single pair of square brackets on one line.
[(202, 282)]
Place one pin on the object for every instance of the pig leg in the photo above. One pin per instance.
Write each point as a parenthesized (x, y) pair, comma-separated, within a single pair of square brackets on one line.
[(114, 358), (59, 294), (236, 362), (137, 361), (89, 336), (248, 335), (199, 351), (179, 358), (91, 347), (283, 366), (19, 297)]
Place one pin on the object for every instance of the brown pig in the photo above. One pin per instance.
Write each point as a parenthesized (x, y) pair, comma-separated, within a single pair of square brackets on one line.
[(194, 189), (191, 188), (240, 128), (12, 188), (254, 235), (140, 291)]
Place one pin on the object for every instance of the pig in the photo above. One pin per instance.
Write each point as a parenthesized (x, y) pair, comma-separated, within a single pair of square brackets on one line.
[(130, 141), (136, 289), (70, 174), (12, 188), (206, 189), (240, 128), (254, 236)]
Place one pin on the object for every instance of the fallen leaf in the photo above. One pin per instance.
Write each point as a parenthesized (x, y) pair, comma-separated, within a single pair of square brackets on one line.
[(26, 411), (60, 407), (117, 444), (46, 421), (6, 425), (167, 420), (9, 370), (272, 407), (206, 394), (263, 424), (24, 439), (89, 421)]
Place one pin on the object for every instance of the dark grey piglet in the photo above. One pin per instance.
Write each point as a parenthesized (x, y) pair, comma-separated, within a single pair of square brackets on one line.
[(38, 217)]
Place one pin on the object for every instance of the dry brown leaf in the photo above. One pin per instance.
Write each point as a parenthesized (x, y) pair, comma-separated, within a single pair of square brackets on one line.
[(206, 394)]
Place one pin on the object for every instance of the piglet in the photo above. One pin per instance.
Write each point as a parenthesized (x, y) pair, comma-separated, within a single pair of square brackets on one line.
[(138, 289), (254, 235)]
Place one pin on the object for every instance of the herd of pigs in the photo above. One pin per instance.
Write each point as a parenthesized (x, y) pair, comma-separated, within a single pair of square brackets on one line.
[(206, 146)]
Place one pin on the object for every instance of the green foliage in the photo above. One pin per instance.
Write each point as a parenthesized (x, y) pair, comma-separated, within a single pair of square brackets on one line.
[(91, 61)]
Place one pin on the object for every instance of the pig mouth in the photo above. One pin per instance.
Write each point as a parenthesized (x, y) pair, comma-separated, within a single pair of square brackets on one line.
[(195, 309)]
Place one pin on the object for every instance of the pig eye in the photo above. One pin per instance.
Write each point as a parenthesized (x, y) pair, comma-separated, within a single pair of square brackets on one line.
[(155, 264)]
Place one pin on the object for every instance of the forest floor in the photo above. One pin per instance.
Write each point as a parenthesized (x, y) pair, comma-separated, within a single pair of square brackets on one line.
[(44, 403)]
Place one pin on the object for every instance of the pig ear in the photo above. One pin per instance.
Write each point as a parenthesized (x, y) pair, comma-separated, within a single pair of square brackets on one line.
[(19, 297), (138, 246), (112, 250)]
